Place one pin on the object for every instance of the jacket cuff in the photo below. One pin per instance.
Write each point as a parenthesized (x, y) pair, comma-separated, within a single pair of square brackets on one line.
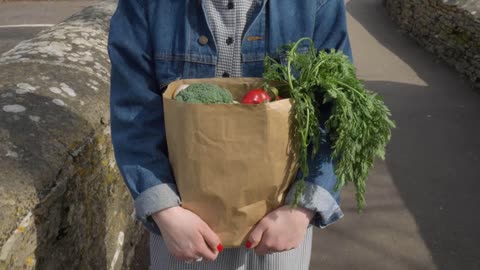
[(155, 199), (315, 198)]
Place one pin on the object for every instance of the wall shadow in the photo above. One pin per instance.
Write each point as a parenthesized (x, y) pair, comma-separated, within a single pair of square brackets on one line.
[(141, 257), (433, 160), (435, 151), (70, 219)]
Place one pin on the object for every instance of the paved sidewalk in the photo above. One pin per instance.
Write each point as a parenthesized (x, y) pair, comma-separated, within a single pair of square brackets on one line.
[(20, 20), (422, 201)]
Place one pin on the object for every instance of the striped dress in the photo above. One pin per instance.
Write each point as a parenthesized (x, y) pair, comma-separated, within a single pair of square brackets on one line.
[(234, 258), (227, 20)]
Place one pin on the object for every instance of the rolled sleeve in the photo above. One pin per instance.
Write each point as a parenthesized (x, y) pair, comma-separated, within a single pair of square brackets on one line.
[(321, 202), (320, 194), (136, 109), (155, 199)]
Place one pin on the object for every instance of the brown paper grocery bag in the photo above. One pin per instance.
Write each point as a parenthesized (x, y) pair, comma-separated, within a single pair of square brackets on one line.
[(232, 162)]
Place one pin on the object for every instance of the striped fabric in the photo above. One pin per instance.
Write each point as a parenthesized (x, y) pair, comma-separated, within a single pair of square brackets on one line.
[(234, 258)]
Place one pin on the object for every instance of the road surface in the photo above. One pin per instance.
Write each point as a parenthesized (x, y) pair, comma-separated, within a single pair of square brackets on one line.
[(21, 20)]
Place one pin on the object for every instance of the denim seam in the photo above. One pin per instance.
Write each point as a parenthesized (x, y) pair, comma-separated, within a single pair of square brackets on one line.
[(321, 4), (185, 58)]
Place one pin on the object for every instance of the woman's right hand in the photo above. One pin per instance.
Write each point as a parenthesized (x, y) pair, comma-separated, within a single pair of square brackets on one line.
[(186, 235)]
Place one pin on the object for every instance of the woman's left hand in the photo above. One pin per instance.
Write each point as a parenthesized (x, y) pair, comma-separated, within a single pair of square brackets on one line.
[(282, 229)]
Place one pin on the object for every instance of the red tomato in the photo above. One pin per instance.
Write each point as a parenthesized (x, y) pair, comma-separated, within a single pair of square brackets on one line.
[(255, 96)]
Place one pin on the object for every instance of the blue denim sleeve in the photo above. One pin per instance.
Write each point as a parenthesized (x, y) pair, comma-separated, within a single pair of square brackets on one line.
[(320, 195), (136, 108)]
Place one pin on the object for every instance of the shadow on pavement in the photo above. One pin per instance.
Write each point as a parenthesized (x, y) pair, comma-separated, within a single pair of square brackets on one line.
[(434, 154), (433, 160)]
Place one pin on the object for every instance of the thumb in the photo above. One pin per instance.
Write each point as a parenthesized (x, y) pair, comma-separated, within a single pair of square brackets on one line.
[(212, 239), (256, 235)]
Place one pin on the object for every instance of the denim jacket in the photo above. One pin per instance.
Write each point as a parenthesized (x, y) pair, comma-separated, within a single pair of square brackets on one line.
[(154, 42)]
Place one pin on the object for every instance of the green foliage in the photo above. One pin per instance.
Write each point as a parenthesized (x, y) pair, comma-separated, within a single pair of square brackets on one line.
[(204, 93), (359, 125)]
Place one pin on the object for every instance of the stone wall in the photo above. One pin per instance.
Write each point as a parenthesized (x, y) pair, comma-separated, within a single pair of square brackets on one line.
[(448, 28), (63, 204)]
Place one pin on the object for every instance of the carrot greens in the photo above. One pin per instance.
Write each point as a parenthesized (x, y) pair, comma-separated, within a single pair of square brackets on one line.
[(359, 125)]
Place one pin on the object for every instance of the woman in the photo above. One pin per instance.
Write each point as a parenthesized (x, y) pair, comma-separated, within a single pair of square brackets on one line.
[(153, 42)]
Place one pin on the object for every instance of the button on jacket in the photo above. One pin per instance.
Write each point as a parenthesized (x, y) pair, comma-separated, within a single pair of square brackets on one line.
[(152, 43)]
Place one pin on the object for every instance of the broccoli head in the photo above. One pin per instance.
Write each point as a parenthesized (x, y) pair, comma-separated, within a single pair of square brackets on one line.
[(204, 93)]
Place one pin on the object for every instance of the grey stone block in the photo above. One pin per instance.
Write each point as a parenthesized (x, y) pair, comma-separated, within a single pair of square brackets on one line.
[(449, 28), (63, 203)]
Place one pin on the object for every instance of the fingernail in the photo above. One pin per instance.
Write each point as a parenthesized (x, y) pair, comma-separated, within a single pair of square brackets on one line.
[(248, 244), (219, 247)]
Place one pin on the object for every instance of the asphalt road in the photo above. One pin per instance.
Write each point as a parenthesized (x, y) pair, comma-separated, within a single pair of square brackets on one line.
[(9, 37), (30, 14)]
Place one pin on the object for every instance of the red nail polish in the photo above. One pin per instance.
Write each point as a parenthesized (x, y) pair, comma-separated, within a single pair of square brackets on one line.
[(219, 247), (248, 244)]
